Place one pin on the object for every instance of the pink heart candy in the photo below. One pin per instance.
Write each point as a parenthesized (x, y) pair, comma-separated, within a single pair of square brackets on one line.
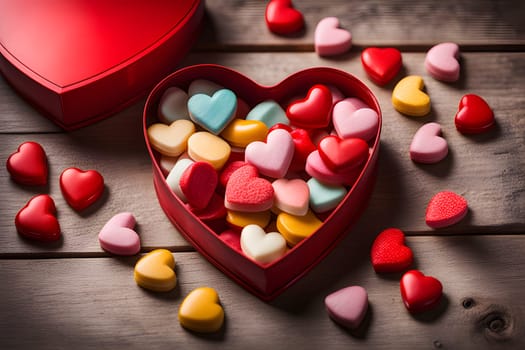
[(316, 167), (272, 158), (348, 306), (442, 62), (330, 39), (352, 118), (118, 237), (427, 146), (291, 196)]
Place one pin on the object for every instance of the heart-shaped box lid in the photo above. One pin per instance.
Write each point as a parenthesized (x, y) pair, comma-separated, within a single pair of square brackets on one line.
[(79, 61), (265, 280)]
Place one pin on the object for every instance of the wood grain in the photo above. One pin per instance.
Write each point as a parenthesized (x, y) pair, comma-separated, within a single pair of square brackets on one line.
[(85, 303), (415, 25)]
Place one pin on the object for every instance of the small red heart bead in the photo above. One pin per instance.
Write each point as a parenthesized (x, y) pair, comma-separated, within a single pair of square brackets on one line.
[(474, 115), (389, 252), (381, 65), (343, 154), (419, 292), (314, 110), (282, 18), (28, 165), (81, 188), (37, 219), (445, 208)]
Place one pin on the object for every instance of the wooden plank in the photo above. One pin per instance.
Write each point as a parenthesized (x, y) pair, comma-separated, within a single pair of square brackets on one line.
[(240, 25), (94, 303)]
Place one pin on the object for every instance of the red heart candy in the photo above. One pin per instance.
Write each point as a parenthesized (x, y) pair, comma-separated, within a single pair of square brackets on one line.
[(282, 18), (314, 110), (474, 115), (198, 183), (381, 65), (389, 252), (445, 208), (213, 211), (81, 188), (343, 154), (245, 191), (419, 292), (303, 147), (37, 219), (28, 165)]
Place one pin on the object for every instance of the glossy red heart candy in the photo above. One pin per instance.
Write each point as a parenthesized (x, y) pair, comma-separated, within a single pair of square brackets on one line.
[(81, 188), (381, 65), (343, 154), (282, 18), (389, 252), (28, 165), (303, 147), (474, 115), (445, 208), (314, 110), (419, 292), (37, 219)]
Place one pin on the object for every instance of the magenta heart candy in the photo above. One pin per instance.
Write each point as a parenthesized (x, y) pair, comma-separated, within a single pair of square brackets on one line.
[(347, 306), (118, 237)]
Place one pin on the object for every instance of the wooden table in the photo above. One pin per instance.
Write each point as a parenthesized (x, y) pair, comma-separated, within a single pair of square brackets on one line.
[(74, 295)]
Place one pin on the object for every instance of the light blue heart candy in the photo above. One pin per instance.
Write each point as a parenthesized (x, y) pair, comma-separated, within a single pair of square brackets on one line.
[(269, 112), (213, 113), (324, 197)]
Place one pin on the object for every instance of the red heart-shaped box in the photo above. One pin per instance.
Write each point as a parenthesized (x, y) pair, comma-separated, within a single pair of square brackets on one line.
[(265, 280), (80, 61)]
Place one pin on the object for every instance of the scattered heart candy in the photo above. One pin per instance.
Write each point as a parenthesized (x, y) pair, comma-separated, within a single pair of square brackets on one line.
[(408, 97), (389, 252), (445, 208), (118, 237), (81, 188), (173, 105), (427, 145), (155, 271), (347, 306), (215, 112), (419, 292), (282, 18), (261, 246), (28, 165), (442, 62), (313, 111), (474, 115), (201, 311), (381, 64), (37, 219), (330, 39)]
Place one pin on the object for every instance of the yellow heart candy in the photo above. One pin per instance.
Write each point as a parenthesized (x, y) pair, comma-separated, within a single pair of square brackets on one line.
[(408, 97), (296, 228), (201, 312), (240, 132), (204, 146), (171, 140), (154, 271), (242, 219)]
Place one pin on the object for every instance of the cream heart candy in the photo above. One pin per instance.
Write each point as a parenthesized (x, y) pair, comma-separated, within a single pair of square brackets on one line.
[(330, 39), (173, 105), (261, 246), (427, 146), (291, 196), (118, 237), (170, 140)]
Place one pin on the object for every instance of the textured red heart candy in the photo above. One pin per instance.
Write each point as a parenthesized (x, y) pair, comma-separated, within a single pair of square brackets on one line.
[(343, 154), (282, 18), (389, 252), (314, 110), (198, 183), (445, 208), (381, 65), (81, 188), (419, 292), (37, 219), (28, 165), (474, 115), (245, 191)]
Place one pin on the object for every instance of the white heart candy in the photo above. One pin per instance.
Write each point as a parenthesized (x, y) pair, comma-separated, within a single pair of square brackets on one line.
[(261, 246)]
